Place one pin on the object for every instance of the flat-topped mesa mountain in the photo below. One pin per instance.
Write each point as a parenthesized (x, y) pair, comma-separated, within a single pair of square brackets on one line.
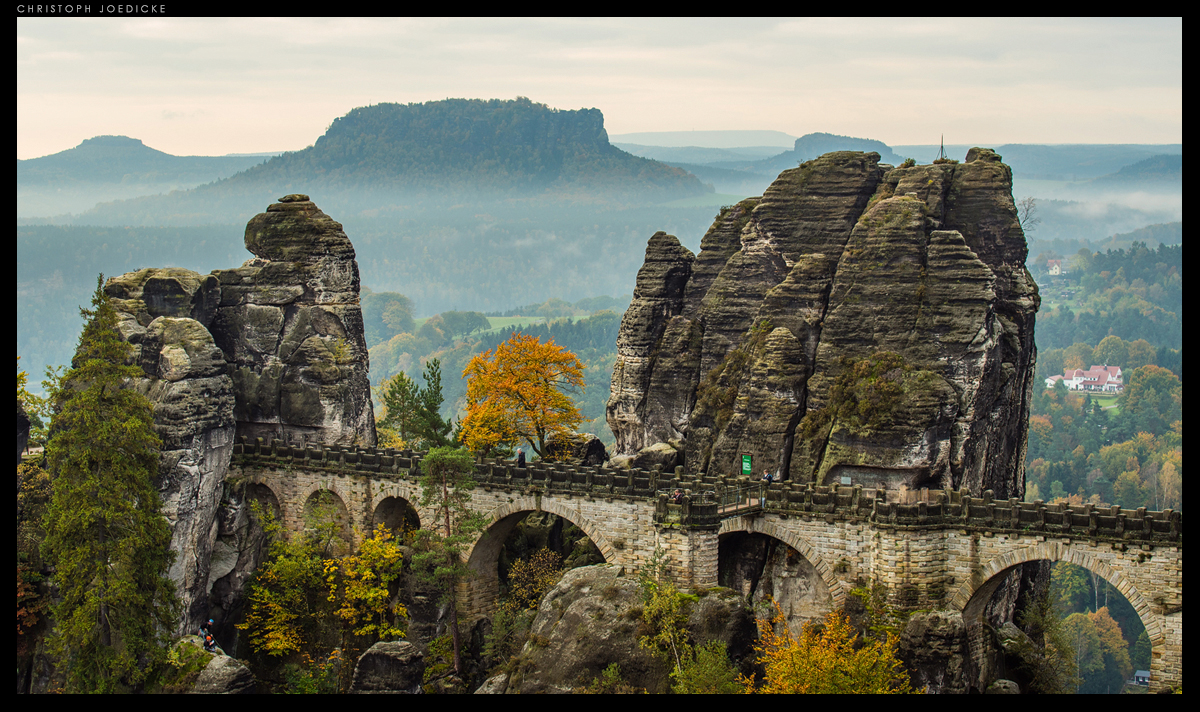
[(274, 348), (857, 323), (438, 153)]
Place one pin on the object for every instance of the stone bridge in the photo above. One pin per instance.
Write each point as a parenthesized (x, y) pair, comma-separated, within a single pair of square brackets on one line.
[(938, 549)]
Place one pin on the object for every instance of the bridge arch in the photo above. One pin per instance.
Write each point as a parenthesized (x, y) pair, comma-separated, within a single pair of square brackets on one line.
[(766, 527), (503, 518), (973, 595), (328, 503), (1163, 628), (395, 512), (484, 554), (261, 491)]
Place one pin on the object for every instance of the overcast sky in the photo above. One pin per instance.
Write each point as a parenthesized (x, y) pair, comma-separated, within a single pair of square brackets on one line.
[(217, 86)]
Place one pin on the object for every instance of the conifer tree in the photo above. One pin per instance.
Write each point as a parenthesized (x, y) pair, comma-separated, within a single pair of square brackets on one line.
[(446, 488), (106, 538)]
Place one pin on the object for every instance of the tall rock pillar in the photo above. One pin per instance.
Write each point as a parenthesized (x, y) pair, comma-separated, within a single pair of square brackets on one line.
[(291, 327)]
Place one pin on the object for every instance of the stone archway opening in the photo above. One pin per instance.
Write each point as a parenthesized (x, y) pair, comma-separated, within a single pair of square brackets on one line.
[(520, 535), (398, 515), (327, 520), (1103, 629), (762, 567), (543, 530), (261, 497)]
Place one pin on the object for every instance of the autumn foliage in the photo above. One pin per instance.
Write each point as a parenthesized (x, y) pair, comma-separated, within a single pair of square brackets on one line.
[(517, 393), (529, 580), (825, 660)]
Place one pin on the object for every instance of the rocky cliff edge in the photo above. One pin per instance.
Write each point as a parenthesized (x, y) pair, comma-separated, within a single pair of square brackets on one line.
[(774, 339)]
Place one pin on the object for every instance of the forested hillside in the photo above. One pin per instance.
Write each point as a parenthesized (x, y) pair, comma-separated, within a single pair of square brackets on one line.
[(1135, 294), (1119, 308), (453, 338), (385, 159)]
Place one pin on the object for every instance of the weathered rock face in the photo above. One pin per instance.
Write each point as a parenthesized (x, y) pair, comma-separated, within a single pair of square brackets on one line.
[(842, 258), (225, 676), (591, 619), (275, 347), (290, 325), (584, 624), (389, 667), (581, 448), (934, 648), (186, 381)]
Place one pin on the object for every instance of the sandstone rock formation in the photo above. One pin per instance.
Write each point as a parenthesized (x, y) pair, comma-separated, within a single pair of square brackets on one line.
[(186, 381), (727, 351), (291, 327), (389, 666), (591, 619), (936, 651), (579, 448), (225, 676), (275, 347)]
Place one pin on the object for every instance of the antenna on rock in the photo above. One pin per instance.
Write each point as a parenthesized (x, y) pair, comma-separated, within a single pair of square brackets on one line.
[(942, 152)]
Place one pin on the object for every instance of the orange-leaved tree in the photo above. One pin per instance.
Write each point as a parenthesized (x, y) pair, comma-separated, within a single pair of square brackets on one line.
[(518, 393), (824, 661)]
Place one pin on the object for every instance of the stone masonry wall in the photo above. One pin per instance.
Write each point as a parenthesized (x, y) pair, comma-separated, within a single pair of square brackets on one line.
[(931, 549)]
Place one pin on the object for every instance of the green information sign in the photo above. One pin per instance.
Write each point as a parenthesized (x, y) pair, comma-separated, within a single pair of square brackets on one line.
[(747, 466)]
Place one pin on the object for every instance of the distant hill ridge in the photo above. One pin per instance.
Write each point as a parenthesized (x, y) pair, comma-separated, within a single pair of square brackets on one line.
[(113, 159), (385, 155), (1163, 168)]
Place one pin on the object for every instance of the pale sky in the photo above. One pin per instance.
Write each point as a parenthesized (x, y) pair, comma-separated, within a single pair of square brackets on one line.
[(211, 86)]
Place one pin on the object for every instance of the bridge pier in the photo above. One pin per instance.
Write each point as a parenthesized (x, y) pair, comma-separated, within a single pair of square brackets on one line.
[(691, 554), (1166, 659)]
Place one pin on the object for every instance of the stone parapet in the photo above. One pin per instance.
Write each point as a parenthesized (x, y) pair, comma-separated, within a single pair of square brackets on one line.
[(887, 508)]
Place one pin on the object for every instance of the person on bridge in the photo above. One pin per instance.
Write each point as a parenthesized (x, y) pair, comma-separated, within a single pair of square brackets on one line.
[(767, 477), (520, 457)]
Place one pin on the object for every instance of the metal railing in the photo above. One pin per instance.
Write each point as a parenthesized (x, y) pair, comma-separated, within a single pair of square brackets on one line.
[(735, 501)]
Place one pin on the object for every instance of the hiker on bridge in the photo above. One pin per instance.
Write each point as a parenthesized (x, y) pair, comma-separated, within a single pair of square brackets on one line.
[(520, 457)]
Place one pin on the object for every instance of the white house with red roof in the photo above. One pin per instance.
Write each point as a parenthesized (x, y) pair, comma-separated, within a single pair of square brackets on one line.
[(1097, 378)]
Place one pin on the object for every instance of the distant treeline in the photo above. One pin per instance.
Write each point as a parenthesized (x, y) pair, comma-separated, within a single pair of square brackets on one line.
[(1134, 294), (555, 307)]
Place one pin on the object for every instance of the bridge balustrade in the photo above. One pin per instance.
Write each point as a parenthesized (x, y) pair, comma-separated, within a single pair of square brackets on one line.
[(919, 507)]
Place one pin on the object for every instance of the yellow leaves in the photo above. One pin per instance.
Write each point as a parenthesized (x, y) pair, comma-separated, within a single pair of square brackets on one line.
[(361, 584), (295, 592), (530, 579), (824, 661), (517, 392)]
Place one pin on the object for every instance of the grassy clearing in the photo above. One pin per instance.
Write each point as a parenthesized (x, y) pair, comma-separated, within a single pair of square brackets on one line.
[(503, 322), (1108, 402), (497, 322)]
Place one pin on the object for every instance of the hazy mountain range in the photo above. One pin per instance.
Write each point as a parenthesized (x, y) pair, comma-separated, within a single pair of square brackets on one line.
[(476, 205), (396, 156), (106, 168)]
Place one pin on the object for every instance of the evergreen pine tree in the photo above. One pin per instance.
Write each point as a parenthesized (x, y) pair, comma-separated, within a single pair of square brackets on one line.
[(106, 538), (446, 489), (430, 426)]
